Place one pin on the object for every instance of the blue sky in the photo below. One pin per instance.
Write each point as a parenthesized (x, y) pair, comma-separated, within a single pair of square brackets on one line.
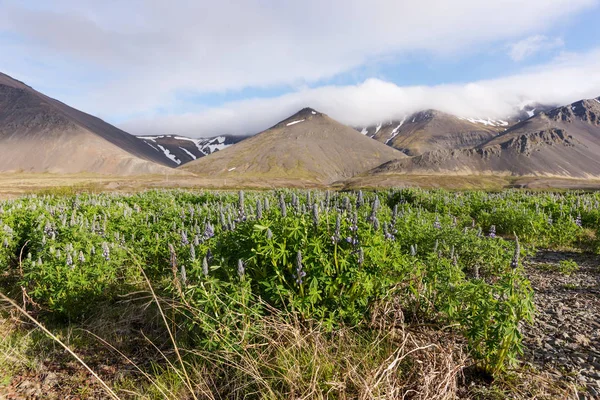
[(207, 68)]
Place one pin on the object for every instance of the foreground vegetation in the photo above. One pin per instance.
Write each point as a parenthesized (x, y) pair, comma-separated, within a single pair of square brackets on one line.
[(306, 294)]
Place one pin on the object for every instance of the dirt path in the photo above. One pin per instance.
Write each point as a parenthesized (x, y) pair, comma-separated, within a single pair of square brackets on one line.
[(565, 338)]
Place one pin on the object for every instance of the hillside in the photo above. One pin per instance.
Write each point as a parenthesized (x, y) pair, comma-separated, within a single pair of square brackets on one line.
[(41, 134), (309, 146), (182, 150), (562, 142)]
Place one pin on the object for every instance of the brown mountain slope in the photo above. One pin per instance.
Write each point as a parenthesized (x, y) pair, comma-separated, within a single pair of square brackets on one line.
[(562, 142), (432, 130), (40, 134), (308, 146)]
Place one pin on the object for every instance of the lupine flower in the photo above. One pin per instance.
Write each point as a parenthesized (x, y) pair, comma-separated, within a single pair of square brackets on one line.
[(295, 202), (184, 238), (352, 240), (492, 233), (375, 223), (192, 252), (515, 260), (105, 251), (336, 234), (241, 269), (267, 205), (209, 231), (241, 200), (69, 260), (346, 204), (269, 234), (315, 214), (354, 225), (437, 224), (361, 256), (258, 209), (413, 250), (81, 257), (205, 266), (282, 205), (300, 274), (578, 220), (360, 199), (387, 233), (183, 275)]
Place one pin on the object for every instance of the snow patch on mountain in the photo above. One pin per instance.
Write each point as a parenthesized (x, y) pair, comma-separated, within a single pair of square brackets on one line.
[(295, 122), (168, 154), (188, 153), (396, 130)]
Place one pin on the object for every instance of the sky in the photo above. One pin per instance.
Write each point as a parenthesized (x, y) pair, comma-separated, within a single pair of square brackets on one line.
[(237, 67)]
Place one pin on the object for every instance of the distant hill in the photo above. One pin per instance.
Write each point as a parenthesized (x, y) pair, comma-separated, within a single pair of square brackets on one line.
[(182, 150), (562, 142), (41, 134), (308, 146)]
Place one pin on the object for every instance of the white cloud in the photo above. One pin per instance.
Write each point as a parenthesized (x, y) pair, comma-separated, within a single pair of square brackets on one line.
[(144, 52), (569, 78), (532, 45)]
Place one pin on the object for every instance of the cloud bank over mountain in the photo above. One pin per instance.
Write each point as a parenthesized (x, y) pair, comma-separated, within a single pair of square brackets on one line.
[(568, 78)]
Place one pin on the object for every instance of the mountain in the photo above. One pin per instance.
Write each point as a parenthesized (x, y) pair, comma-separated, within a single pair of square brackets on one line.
[(182, 150), (430, 130), (562, 142), (41, 134), (309, 146)]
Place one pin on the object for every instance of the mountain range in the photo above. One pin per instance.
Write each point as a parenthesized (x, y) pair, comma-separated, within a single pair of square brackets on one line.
[(39, 134)]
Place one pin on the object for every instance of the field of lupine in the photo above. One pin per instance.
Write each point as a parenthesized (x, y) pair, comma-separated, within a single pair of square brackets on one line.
[(219, 263)]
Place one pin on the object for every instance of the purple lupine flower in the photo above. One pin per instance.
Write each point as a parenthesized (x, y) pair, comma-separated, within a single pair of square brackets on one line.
[(437, 224), (259, 210), (492, 233), (69, 260), (578, 220), (205, 266), (375, 223), (269, 234), (282, 205), (81, 257), (386, 233), (192, 252), (336, 234), (361, 256), (352, 240), (515, 260), (209, 231), (300, 273), (184, 238), (183, 275), (346, 204), (315, 214), (105, 251)]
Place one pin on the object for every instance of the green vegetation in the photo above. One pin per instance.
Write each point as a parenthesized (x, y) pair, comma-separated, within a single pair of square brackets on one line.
[(295, 293)]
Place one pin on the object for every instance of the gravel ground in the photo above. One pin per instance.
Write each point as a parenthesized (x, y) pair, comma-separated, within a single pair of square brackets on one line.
[(565, 337)]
